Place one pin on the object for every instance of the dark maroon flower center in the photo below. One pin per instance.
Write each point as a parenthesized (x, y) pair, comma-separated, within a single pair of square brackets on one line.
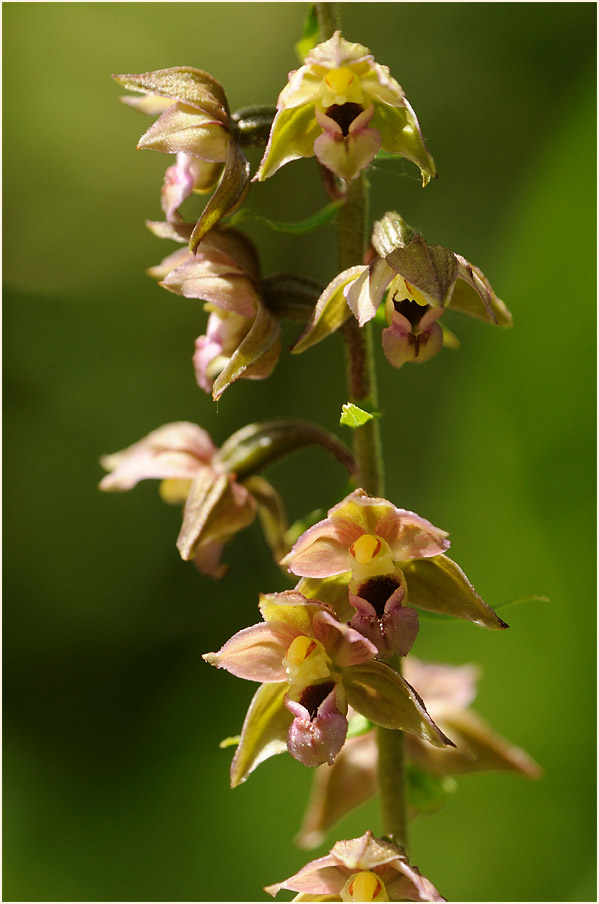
[(315, 694), (344, 114), (413, 311), (377, 591)]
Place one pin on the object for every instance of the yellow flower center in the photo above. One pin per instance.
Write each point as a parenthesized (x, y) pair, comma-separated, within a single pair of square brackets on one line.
[(306, 662), (368, 547), (364, 886), (341, 86)]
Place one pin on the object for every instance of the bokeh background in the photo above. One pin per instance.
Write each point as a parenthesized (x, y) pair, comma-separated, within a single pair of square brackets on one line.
[(114, 785)]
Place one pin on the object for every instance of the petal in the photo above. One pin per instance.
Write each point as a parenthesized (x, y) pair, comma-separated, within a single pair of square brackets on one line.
[(207, 560), (447, 688), (258, 352), (169, 263), (409, 535), (216, 281), (430, 268), (473, 295), (255, 653), (290, 607), (264, 731), (332, 591), (183, 129), (381, 694), (401, 345), (339, 788), (400, 133), (314, 740), (215, 510), (294, 131), (178, 450), (366, 293), (183, 83), (439, 585), (319, 877), (151, 104), (478, 748), (317, 557), (344, 645), (330, 312), (271, 514), (347, 155), (230, 192)]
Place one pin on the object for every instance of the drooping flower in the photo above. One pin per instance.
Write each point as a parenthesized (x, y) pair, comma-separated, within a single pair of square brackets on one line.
[(343, 107), (449, 691), (194, 122), (316, 665), (419, 282), (378, 545), (220, 488), (361, 869), (242, 336)]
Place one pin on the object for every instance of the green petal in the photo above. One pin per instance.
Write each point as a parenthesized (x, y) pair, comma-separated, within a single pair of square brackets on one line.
[(439, 585), (264, 732), (230, 191), (256, 446), (293, 134), (260, 340), (184, 83), (380, 694), (330, 313), (401, 134)]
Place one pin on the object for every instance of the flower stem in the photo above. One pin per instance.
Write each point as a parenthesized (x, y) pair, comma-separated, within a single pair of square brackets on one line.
[(367, 451), (328, 19)]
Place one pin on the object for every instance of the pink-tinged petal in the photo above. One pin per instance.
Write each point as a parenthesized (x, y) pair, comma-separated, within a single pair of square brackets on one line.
[(339, 788), (255, 653), (178, 450), (177, 186), (409, 535), (402, 345), (264, 732), (214, 281), (343, 644), (319, 877), (405, 883), (395, 630), (366, 293), (171, 262), (324, 558), (207, 560), (151, 104), (364, 853), (319, 727), (446, 688), (347, 155), (225, 331), (235, 245), (184, 129)]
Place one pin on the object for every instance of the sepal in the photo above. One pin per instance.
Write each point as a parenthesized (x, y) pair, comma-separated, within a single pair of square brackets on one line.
[(264, 732), (182, 83), (331, 311), (230, 192)]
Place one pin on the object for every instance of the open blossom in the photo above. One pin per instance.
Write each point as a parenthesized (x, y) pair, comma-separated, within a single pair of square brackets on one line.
[(418, 282), (361, 869), (242, 336), (449, 691), (194, 123), (343, 107), (385, 550), (317, 665)]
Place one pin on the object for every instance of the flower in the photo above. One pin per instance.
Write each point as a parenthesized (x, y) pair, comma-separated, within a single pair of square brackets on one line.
[(317, 665), (449, 691), (195, 124), (361, 869), (343, 107), (378, 547), (419, 281), (183, 457), (242, 336)]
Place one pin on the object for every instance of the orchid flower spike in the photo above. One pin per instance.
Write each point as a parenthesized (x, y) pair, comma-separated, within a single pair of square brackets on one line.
[(343, 107)]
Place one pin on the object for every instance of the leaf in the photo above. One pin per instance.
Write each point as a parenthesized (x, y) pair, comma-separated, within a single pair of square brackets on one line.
[(320, 218), (256, 446), (352, 416), (264, 732), (439, 585)]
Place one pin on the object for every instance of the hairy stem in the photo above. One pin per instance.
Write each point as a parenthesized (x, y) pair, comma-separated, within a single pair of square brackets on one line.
[(361, 378)]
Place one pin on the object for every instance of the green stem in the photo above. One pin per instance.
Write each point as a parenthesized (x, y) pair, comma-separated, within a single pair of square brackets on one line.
[(328, 19), (367, 451)]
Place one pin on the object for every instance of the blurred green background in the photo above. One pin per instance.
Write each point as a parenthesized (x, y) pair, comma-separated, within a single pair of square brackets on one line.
[(115, 788)]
